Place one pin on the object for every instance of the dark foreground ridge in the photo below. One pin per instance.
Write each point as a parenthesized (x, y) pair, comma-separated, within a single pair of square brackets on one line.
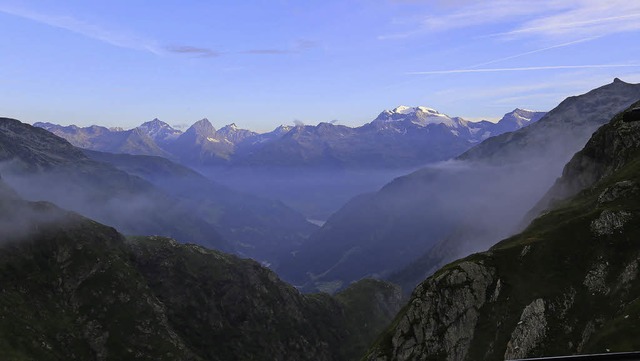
[(74, 289)]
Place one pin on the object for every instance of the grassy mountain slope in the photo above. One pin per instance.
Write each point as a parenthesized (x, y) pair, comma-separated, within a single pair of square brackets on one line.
[(568, 284)]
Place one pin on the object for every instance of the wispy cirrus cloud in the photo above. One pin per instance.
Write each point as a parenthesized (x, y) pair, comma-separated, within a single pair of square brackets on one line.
[(266, 51), (110, 36), (571, 19), (535, 51), (584, 18), (525, 68), (299, 46), (192, 50), (123, 39)]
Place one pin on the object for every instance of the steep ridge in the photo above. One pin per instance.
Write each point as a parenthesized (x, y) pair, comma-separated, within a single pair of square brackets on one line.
[(561, 132), (74, 289), (452, 209), (591, 164), (568, 284), (42, 166)]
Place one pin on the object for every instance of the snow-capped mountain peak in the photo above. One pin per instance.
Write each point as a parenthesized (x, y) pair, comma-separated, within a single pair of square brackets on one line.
[(420, 116), (403, 109)]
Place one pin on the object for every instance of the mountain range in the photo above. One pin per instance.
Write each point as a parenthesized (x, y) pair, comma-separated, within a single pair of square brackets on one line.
[(402, 137), (419, 222)]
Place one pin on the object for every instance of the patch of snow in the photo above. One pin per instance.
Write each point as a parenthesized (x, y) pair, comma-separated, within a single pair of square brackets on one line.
[(214, 140)]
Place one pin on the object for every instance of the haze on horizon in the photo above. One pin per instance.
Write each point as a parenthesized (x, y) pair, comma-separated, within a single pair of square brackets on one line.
[(261, 63)]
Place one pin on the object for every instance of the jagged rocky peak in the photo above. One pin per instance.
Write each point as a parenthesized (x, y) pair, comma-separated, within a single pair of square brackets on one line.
[(280, 130), (232, 133), (154, 124), (159, 130), (202, 127), (231, 128)]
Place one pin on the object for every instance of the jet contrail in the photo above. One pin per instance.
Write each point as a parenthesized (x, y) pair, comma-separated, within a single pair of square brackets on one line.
[(528, 68), (535, 51)]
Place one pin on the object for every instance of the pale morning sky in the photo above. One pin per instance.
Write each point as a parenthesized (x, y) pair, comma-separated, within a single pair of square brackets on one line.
[(264, 63)]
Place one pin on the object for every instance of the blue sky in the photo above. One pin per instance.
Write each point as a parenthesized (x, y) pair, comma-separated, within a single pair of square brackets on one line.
[(264, 63)]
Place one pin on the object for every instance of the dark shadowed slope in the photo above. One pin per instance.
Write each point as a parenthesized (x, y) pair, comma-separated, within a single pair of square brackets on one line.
[(73, 289), (568, 284), (463, 205)]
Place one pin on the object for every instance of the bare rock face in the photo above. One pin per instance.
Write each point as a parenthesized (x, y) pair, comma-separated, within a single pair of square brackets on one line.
[(595, 280), (531, 329), (620, 189), (610, 222), (441, 319)]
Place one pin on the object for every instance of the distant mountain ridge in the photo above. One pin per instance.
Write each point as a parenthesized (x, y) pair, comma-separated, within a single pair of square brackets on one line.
[(404, 136)]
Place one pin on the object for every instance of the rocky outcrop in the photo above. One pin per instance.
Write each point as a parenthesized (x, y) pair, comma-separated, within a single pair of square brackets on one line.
[(620, 189), (530, 331), (440, 321), (610, 222)]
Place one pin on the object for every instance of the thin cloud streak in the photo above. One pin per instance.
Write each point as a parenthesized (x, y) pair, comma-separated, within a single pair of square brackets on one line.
[(92, 31), (557, 27), (528, 68), (192, 50), (547, 19), (130, 41), (267, 52), (535, 51)]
